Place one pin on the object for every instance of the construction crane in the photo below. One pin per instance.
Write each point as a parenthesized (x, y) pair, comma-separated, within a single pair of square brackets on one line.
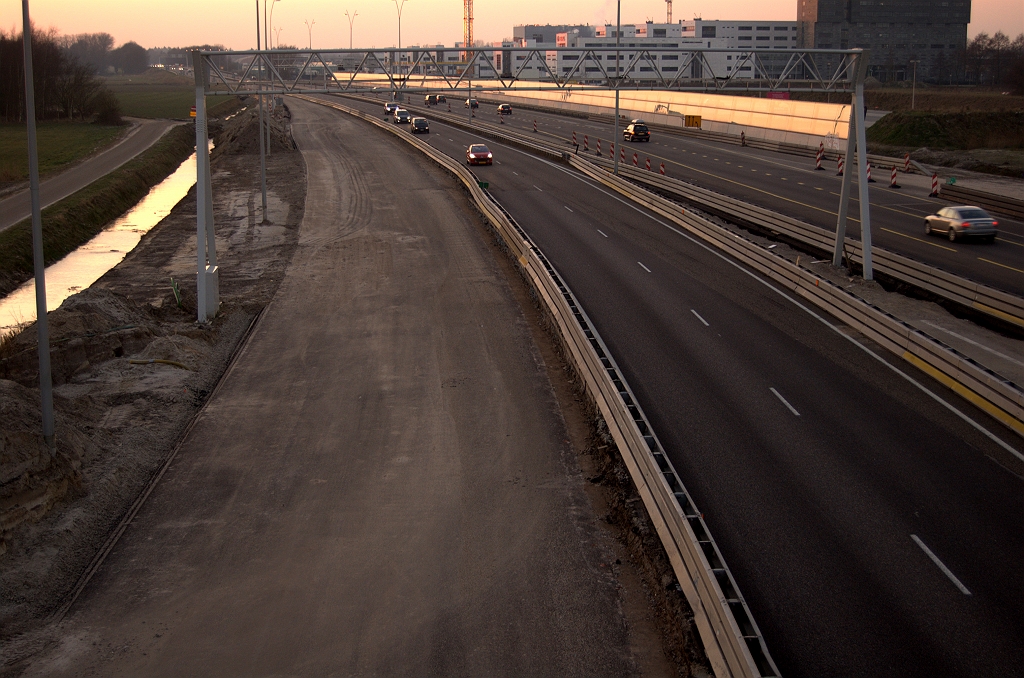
[(668, 20), (467, 25)]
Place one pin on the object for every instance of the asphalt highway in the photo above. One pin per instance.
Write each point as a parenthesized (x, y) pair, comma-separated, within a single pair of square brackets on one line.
[(866, 512), (790, 185)]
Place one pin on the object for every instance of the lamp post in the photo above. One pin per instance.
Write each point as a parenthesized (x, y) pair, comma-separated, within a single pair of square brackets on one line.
[(259, 100), (351, 20), (309, 27), (277, 36), (913, 87), (618, 77), (399, 4)]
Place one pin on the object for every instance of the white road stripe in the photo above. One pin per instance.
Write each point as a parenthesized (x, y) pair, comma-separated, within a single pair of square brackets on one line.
[(699, 318), (516, 173), (793, 300), (785, 402), (538, 188), (567, 207), (644, 267), (602, 232), (941, 566)]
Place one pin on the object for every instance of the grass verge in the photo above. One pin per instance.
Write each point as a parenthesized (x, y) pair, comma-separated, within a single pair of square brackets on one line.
[(74, 220), (163, 104), (962, 131), (60, 144)]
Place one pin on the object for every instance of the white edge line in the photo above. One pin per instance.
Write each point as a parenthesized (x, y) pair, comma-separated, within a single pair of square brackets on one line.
[(700, 318), (721, 255), (567, 207), (644, 267), (941, 566), (602, 232), (784, 401), (538, 188)]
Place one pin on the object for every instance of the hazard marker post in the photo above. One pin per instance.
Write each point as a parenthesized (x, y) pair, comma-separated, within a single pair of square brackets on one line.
[(635, 160), (586, 143), (935, 187), (892, 179), (818, 156), (841, 166), (662, 168), (870, 180), (648, 164)]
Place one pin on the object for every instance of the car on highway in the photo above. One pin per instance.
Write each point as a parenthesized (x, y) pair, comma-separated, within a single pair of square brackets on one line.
[(504, 109), (471, 102), (430, 100), (962, 222), (401, 116), (478, 154), (636, 131), (390, 107), (419, 126)]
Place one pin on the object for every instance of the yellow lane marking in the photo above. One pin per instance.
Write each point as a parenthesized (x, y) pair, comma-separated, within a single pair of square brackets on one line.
[(926, 242), (989, 261), (966, 393)]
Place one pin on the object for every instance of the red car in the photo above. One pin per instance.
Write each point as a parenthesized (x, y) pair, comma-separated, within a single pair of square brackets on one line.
[(478, 154)]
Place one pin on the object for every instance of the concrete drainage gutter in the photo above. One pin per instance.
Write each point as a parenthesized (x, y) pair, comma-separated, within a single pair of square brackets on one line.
[(732, 641)]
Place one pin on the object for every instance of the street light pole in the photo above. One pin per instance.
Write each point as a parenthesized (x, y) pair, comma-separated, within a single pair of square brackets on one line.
[(263, 149), (38, 263), (913, 88), (351, 20), (309, 27), (618, 77)]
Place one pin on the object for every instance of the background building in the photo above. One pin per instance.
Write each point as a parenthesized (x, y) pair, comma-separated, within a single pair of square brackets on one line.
[(897, 32)]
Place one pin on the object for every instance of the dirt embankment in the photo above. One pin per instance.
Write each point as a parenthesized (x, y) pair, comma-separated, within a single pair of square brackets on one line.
[(118, 421)]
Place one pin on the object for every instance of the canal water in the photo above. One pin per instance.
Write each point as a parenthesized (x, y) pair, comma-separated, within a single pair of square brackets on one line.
[(81, 268)]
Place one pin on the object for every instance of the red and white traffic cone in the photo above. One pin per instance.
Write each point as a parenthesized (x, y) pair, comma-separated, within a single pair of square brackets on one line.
[(841, 166), (870, 180), (636, 160), (935, 187), (906, 163), (599, 145), (586, 143), (501, 118), (892, 179), (534, 125), (611, 151), (622, 154), (819, 155), (743, 138), (574, 138), (662, 168), (648, 164), (449, 107)]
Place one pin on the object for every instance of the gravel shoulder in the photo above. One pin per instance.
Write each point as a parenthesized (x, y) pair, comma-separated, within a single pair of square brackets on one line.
[(389, 479)]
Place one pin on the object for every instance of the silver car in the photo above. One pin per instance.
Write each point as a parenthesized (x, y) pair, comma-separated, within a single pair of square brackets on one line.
[(964, 221)]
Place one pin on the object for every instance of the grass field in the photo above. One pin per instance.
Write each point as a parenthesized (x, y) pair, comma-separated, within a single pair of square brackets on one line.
[(60, 144), (157, 94)]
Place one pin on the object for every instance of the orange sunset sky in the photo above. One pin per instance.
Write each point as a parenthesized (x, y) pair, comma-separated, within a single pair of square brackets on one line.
[(161, 23)]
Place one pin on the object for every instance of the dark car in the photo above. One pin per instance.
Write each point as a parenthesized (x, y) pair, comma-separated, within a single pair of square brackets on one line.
[(441, 99), (401, 116), (636, 131), (430, 99), (390, 107), (964, 221), (471, 102), (419, 126), (504, 109), (478, 154)]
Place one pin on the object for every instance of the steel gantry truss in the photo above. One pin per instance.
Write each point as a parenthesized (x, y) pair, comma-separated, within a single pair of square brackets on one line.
[(416, 70)]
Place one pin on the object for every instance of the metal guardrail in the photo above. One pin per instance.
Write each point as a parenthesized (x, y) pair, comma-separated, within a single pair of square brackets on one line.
[(968, 293), (1000, 204), (732, 641)]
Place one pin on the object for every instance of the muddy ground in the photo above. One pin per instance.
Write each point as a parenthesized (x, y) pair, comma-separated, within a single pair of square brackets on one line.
[(117, 421)]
